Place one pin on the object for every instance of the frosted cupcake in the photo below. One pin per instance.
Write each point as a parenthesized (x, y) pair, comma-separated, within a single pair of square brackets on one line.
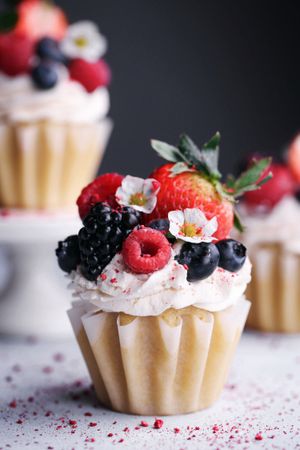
[(272, 234), (159, 308), (53, 107)]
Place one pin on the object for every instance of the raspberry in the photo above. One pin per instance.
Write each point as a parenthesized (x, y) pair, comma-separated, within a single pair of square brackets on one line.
[(102, 189), (294, 158), (146, 250), (274, 190), (15, 53), (102, 236), (90, 75)]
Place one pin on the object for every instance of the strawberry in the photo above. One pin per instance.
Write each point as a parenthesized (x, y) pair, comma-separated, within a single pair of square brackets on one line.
[(294, 158), (271, 193), (191, 190), (192, 180), (102, 189), (90, 74), (15, 53), (39, 18)]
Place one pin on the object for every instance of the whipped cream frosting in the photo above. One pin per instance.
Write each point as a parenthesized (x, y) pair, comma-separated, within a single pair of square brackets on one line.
[(68, 101), (120, 290), (281, 224)]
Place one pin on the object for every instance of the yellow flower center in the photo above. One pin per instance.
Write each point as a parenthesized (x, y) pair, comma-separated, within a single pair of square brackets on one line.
[(190, 230), (81, 41), (138, 199)]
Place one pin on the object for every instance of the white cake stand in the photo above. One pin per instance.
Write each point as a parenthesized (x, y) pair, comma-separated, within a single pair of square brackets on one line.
[(33, 290)]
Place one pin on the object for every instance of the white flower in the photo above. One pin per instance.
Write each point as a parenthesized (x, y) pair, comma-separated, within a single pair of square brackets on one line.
[(191, 225), (138, 193), (83, 40)]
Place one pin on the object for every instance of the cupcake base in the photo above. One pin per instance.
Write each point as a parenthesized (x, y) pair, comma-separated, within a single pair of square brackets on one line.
[(174, 363), (45, 165), (275, 288)]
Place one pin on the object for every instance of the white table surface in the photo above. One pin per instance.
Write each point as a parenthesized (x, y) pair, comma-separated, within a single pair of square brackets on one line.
[(46, 386)]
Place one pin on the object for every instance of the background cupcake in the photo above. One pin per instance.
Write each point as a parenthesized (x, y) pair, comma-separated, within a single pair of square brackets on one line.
[(159, 309), (53, 106), (272, 235)]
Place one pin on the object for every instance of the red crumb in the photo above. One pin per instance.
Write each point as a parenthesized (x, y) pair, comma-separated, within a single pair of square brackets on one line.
[(72, 422), (92, 424), (110, 435), (158, 423), (90, 440), (58, 357), (186, 266), (176, 430), (258, 437), (113, 280), (88, 414), (47, 369), (144, 424), (19, 421), (215, 428), (13, 404), (103, 276), (126, 429), (136, 428), (121, 440)]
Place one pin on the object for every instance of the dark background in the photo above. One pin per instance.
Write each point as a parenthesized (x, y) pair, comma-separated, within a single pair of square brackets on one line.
[(198, 67)]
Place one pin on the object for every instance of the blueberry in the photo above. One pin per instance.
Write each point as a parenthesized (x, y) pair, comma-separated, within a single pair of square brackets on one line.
[(44, 76), (202, 260), (232, 254), (68, 254), (48, 49)]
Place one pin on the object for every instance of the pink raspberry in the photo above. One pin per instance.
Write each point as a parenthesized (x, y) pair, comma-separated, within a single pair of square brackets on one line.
[(146, 250)]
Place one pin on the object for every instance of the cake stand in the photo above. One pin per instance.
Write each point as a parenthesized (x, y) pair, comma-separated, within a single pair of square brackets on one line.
[(33, 290)]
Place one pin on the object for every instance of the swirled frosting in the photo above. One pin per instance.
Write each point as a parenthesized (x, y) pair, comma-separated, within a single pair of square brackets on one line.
[(281, 224), (68, 101), (120, 290)]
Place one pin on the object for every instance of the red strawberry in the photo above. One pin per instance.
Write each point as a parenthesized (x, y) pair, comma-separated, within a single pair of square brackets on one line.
[(15, 53), (194, 181), (294, 158), (191, 190), (271, 193), (146, 250), (39, 18), (90, 75), (102, 189)]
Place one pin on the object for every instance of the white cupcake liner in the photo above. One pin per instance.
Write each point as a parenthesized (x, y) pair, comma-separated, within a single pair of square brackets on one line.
[(173, 363)]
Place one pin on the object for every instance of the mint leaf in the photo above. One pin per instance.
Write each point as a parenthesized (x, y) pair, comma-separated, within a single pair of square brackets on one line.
[(166, 151), (178, 168), (8, 20)]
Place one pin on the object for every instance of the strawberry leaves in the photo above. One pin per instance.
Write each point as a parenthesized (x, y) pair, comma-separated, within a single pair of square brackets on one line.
[(188, 157)]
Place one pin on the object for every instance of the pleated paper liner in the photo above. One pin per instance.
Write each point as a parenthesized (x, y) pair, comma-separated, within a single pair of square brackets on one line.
[(174, 363), (275, 288), (45, 165)]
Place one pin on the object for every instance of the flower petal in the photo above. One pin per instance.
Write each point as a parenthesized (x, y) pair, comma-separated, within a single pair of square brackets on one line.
[(196, 216), (151, 187), (210, 228)]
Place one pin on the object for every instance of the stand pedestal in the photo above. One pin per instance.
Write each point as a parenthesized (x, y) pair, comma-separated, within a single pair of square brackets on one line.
[(34, 296)]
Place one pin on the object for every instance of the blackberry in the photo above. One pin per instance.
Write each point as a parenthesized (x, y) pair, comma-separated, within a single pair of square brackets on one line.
[(68, 255), (102, 236)]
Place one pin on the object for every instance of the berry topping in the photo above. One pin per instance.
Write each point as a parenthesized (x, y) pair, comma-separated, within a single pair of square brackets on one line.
[(44, 76), (271, 193), (102, 236), (146, 250), (39, 18), (160, 225), (90, 74), (192, 180), (67, 253), (15, 53), (201, 259), (47, 48), (102, 189), (294, 158), (232, 254)]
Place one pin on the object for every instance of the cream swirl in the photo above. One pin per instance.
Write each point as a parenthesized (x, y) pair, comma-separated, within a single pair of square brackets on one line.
[(68, 101), (120, 290), (279, 225)]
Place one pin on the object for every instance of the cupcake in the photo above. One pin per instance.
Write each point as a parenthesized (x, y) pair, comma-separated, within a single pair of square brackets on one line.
[(158, 284), (53, 106), (272, 234)]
